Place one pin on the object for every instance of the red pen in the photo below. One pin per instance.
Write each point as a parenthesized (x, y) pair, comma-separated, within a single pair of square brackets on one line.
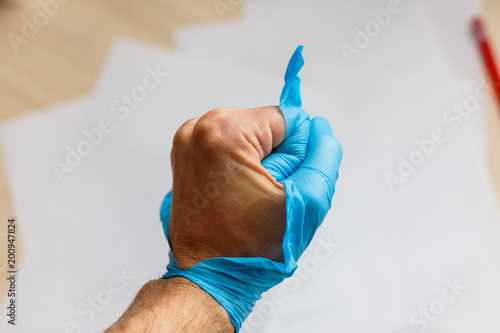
[(489, 60)]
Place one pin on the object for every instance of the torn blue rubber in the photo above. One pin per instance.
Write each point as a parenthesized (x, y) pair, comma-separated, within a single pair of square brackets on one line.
[(307, 162), (290, 154)]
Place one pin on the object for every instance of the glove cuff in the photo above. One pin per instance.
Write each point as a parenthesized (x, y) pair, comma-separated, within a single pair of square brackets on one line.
[(236, 283)]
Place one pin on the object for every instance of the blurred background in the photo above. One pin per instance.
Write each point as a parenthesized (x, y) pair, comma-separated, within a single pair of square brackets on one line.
[(92, 92)]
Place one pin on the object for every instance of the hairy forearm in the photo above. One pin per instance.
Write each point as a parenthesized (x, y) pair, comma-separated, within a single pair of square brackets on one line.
[(173, 305)]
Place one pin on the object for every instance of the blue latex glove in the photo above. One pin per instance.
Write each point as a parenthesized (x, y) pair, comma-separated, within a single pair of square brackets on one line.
[(307, 162), (290, 154)]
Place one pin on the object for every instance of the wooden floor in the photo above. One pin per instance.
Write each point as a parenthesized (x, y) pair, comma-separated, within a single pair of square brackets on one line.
[(61, 60)]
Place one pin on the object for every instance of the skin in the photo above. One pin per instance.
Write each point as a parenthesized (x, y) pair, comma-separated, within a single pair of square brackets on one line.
[(224, 204), (173, 305)]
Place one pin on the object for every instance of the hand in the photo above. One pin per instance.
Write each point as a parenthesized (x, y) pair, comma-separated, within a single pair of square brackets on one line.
[(176, 304), (224, 201), (250, 189), (230, 232)]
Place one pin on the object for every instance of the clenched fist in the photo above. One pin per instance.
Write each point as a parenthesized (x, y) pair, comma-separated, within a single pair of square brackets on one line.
[(224, 202), (250, 189)]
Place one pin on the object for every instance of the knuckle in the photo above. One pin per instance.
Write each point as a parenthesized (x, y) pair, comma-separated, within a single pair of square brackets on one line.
[(210, 130), (336, 146), (184, 133), (331, 146), (216, 114)]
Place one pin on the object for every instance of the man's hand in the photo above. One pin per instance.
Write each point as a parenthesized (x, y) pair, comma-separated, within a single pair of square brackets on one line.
[(250, 189), (224, 202)]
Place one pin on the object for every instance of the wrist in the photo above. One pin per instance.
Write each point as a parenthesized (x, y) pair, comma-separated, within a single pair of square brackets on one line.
[(173, 305)]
